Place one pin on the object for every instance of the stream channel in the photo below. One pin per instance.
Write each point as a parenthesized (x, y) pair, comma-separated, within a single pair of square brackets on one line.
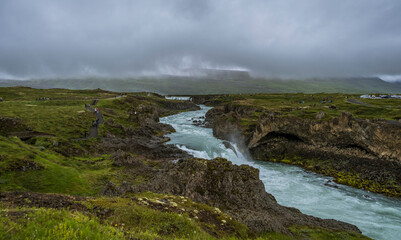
[(377, 216)]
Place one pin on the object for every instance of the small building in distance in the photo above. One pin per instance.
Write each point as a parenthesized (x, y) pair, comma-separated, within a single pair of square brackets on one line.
[(381, 96)]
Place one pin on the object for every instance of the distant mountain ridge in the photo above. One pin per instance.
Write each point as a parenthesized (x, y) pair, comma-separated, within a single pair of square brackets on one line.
[(222, 84)]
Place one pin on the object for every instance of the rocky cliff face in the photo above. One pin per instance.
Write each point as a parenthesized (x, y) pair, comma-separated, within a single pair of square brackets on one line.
[(379, 139), (147, 139), (236, 190), (368, 150)]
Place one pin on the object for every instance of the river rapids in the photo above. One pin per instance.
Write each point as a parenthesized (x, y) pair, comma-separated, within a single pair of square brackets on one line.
[(377, 216)]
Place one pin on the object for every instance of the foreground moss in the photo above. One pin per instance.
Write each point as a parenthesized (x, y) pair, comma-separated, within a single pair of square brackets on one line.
[(53, 224), (24, 167), (139, 217)]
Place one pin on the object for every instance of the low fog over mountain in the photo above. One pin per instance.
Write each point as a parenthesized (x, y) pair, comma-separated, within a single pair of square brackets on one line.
[(286, 39)]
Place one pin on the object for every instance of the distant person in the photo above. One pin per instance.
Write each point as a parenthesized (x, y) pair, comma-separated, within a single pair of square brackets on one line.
[(1, 99)]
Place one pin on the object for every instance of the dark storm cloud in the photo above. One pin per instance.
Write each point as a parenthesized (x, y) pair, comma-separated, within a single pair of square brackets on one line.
[(287, 38)]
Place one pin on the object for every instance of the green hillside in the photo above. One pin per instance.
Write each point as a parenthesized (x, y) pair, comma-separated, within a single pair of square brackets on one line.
[(185, 85)]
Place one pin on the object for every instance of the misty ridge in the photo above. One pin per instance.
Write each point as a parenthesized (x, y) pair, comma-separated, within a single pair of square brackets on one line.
[(252, 41), (224, 82)]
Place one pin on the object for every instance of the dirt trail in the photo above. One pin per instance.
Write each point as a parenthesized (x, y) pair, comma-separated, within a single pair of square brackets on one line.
[(94, 129), (358, 102)]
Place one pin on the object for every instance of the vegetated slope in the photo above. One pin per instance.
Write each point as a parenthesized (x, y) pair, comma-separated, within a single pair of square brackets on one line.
[(188, 85), (43, 150)]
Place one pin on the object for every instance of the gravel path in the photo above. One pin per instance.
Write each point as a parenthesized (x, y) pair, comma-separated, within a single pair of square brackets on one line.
[(93, 131), (358, 102)]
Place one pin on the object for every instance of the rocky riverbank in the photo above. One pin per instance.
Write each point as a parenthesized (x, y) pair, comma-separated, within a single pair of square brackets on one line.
[(236, 190), (360, 153)]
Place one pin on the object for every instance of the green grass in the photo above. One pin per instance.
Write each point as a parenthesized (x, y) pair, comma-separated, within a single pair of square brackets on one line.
[(65, 165), (55, 224), (64, 116), (167, 224), (302, 232), (31, 94), (56, 173), (183, 85), (291, 105), (64, 119)]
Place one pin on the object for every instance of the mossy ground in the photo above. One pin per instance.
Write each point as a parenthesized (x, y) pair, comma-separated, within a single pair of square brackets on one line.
[(27, 167), (62, 161), (308, 105)]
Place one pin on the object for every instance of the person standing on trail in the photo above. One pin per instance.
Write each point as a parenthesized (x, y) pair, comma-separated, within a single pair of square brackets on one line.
[(1, 99)]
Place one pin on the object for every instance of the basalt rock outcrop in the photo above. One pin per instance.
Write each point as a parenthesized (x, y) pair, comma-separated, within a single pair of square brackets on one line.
[(367, 150), (155, 107), (148, 138), (237, 190), (9, 125), (144, 114), (177, 106)]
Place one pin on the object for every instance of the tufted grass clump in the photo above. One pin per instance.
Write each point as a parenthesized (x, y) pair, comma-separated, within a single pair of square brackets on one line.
[(55, 224)]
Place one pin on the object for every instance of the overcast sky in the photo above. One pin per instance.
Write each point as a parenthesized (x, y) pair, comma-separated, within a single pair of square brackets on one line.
[(278, 38)]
